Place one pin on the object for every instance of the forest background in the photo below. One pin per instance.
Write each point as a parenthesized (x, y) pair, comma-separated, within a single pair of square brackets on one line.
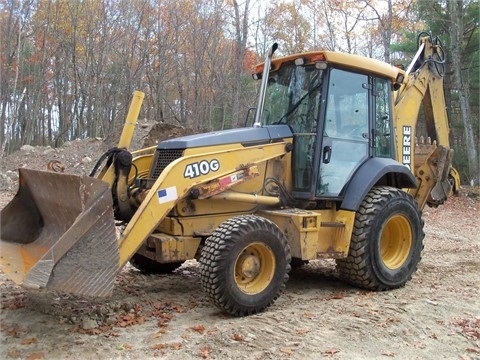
[(68, 68)]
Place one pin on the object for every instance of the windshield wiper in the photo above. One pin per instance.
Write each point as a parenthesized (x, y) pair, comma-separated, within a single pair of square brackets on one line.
[(297, 104)]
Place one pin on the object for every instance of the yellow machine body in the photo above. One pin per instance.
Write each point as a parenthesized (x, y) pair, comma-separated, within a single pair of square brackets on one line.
[(69, 242)]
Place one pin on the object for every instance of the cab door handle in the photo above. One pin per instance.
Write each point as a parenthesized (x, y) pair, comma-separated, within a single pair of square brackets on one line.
[(327, 154)]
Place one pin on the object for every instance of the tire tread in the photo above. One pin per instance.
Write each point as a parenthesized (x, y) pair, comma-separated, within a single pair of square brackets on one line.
[(357, 268), (214, 257)]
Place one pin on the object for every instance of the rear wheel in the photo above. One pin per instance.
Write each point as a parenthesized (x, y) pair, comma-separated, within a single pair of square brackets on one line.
[(386, 243), (245, 264), (150, 266)]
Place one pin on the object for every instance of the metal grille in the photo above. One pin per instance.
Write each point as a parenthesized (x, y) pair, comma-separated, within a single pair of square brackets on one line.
[(163, 157)]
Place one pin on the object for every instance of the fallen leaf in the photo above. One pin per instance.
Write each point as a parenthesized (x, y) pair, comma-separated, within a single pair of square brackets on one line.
[(198, 328), (302, 331), (392, 320), (158, 346), (470, 327), (163, 319), (29, 341), (35, 356), (13, 353), (192, 304), (176, 346), (174, 307), (205, 352), (474, 351), (308, 315), (238, 337), (287, 351), (159, 333), (11, 330), (137, 307), (330, 352)]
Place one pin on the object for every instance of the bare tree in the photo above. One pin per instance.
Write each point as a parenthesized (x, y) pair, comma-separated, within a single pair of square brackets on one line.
[(335, 23), (13, 43), (241, 35), (289, 27), (455, 10), (392, 19)]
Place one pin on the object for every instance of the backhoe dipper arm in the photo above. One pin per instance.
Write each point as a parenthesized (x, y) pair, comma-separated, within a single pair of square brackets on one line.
[(429, 158)]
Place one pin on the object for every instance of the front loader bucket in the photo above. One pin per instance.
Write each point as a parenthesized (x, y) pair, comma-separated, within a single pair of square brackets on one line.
[(58, 233)]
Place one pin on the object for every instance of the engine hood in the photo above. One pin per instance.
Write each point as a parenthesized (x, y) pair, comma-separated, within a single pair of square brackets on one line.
[(246, 136)]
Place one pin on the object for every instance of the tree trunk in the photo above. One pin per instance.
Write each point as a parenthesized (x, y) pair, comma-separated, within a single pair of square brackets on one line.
[(387, 32), (455, 9), (241, 34)]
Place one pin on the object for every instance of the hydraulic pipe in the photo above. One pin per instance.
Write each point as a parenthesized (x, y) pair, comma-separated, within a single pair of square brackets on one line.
[(247, 198)]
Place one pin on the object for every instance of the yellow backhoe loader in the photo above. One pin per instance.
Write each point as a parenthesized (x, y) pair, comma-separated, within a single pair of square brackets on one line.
[(333, 166)]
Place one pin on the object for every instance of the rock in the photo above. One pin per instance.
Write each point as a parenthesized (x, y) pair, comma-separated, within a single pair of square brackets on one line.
[(111, 319), (12, 175), (6, 183), (86, 160), (48, 150), (28, 148), (89, 323)]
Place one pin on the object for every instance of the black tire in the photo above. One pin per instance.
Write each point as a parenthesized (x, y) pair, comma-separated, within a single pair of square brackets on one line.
[(149, 266), (387, 241), (244, 265)]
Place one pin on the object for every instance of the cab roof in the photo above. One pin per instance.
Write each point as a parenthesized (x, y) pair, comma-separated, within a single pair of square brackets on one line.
[(343, 60)]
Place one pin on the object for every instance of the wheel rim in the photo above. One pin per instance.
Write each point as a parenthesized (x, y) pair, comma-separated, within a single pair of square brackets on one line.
[(254, 268), (396, 242)]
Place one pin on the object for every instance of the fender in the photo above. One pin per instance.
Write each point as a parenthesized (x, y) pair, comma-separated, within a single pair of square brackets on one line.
[(375, 170)]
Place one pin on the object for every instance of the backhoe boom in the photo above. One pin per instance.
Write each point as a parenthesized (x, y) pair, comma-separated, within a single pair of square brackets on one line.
[(428, 154)]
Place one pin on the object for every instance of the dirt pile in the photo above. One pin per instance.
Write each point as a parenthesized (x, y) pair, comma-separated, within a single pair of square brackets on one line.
[(79, 156)]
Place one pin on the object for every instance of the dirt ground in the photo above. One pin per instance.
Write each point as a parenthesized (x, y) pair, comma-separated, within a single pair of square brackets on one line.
[(436, 316)]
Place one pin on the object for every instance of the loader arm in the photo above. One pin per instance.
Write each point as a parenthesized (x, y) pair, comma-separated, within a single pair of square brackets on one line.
[(107, 173), (428, 156), (172, 185)]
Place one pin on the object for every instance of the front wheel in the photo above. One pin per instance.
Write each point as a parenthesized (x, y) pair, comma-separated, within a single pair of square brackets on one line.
[(386, 243), (244, 265)]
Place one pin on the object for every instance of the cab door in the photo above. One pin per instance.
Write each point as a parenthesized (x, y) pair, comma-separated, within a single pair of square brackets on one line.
[(346, 129)]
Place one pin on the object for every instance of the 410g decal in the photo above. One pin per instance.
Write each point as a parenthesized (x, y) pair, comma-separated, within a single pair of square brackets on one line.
[(200, 168)]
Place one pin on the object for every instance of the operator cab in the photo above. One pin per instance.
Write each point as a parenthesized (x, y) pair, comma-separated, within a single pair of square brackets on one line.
[(339, 118)]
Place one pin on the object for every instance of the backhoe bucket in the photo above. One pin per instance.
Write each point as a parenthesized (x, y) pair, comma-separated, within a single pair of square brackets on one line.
[(58, 233)]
